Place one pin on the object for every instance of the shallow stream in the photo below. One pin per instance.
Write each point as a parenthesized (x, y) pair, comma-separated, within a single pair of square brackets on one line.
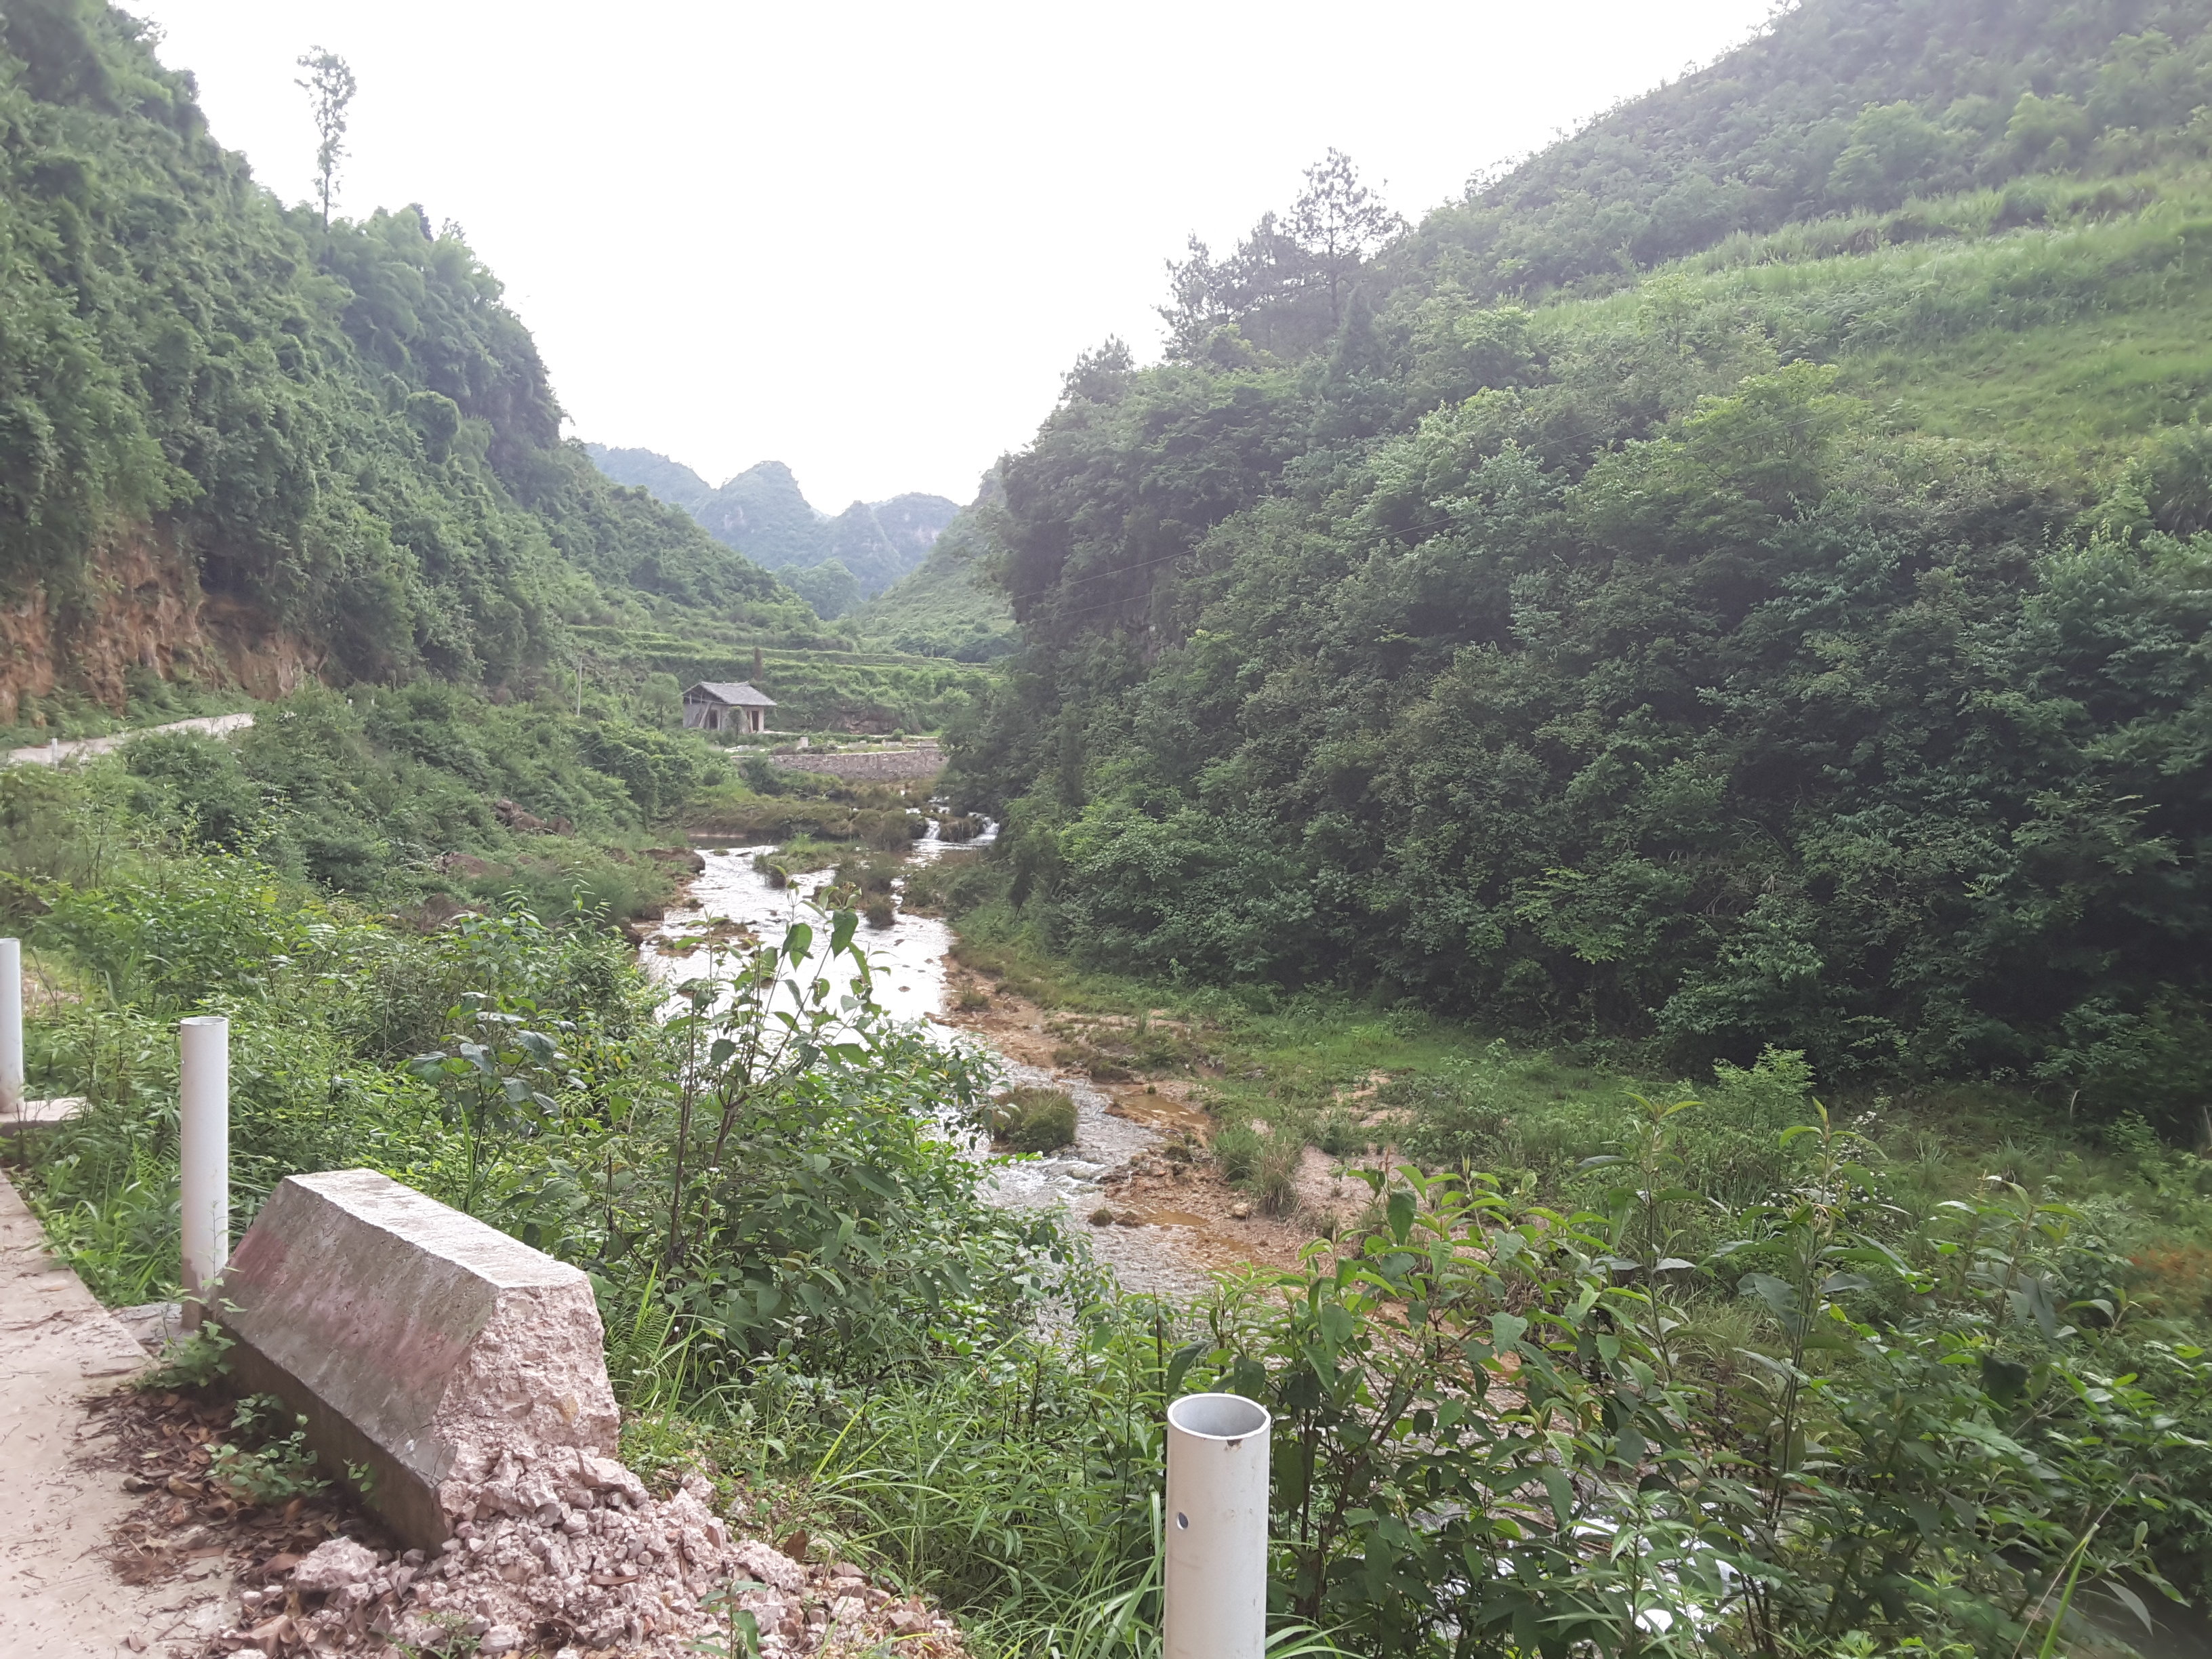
[(732, 901)]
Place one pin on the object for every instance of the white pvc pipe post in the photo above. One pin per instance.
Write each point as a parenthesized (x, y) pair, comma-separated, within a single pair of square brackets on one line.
[(1217, 1527), (204, 1040), (11, 1025)]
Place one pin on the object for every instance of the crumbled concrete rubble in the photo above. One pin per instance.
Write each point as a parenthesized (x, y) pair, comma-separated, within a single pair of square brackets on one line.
[(568, 1553)]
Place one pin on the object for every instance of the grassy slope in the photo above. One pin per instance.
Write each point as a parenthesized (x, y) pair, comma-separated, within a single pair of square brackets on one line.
[(2102, 330), (947, 607), (2084, 388)]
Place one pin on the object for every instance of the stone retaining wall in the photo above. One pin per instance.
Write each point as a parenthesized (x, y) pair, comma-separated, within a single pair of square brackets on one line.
[(869, 766)]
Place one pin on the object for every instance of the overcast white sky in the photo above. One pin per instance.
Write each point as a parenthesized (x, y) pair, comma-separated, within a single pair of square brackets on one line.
[(866, 239)]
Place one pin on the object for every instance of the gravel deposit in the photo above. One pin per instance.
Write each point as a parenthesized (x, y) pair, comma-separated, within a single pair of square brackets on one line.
[(566, 1554)]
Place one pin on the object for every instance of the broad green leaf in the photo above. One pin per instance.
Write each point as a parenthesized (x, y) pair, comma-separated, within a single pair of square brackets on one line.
[(1401, 1210), (1562, 1491), (1778, 1294), (2003, 1379)]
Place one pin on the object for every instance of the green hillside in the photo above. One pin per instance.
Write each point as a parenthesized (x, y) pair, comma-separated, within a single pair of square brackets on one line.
[(1874, 108), (342, 434), (880, 542), (761, 509), (1801, 640), (948, 607), (652, 472), (1843, 105)]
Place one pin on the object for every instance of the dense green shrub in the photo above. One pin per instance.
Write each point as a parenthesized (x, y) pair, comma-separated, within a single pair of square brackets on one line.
[(783, 1191), (387, 795), (1038, 1120), (1937, 1467), (183, 929), (1758, 726)]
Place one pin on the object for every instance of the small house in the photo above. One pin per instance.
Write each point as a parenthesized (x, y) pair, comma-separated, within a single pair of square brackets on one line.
[(724, 706)]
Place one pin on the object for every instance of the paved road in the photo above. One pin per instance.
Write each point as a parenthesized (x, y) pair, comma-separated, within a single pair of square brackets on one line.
[(58, 1349), (52, 754)]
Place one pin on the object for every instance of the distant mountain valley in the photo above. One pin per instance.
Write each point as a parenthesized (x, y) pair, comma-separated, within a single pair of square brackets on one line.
[(836, 564)]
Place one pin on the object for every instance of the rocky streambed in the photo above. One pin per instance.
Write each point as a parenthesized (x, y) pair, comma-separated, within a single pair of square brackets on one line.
[(1116, 1163)]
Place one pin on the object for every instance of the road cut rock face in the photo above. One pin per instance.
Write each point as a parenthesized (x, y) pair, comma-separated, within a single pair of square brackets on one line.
[(446, 1356)]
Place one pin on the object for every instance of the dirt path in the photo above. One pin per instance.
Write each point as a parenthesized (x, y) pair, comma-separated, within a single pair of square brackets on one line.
[(52, 754), (61, 1469)]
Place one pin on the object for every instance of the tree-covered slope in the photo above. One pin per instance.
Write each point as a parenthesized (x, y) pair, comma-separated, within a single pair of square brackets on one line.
[(341, 431), (650, 471), (763, 511), (948, 606), (1872, 108), (881, 542), (1807, 642)]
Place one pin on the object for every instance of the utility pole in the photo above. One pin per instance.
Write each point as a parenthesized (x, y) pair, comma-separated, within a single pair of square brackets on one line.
[(11, 1026), (204, 1157)]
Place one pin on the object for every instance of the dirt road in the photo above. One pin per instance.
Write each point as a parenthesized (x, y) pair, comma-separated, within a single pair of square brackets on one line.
[(54, 753), (61, 1471)]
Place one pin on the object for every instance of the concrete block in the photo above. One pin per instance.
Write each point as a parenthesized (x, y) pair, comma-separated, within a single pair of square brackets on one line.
[(27, 1116), (415, 1339)]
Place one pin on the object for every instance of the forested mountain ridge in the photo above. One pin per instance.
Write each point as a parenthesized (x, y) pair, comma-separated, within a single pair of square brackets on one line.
[(1843, 105), (836, 562), (648, 470), (227, 430), (880, 542), (1805, 644), (763, 506), (1866, 109)]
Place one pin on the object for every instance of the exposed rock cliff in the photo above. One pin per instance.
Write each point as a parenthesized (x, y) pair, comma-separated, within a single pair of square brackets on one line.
[(142, 610)]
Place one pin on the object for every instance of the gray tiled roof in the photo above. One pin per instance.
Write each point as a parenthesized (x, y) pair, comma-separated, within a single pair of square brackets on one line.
[(736, 693)]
